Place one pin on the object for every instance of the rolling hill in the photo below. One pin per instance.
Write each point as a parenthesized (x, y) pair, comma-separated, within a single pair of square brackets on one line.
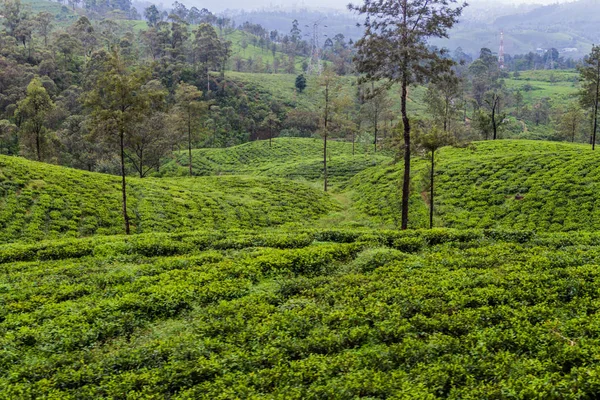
[(478, 186), (41, 201), (291, 158)]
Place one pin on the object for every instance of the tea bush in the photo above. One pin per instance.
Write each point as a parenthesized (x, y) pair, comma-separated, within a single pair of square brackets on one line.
[(305, 314), (290, 158)]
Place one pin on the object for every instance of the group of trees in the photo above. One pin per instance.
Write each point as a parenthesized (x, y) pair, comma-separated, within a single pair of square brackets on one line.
[(59, 65)]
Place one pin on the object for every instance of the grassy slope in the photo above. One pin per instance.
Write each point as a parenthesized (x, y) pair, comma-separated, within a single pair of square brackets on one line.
[(413, 315), (292, 158), (281, 88), (59, 11), (237, 39), (559, 86), (476, 187), (43, 201)]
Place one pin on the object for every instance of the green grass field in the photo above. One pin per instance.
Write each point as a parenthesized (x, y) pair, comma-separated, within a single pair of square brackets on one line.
[(559, 86)]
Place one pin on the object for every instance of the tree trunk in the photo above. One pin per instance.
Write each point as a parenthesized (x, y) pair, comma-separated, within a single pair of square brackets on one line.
[(446, 112), (431, 190), (375, 140), (207, 81), (406, 181), (494, 119), (38, 145), (596, 109), (142, 164), (190, 144), (325, 139), (123, 182)]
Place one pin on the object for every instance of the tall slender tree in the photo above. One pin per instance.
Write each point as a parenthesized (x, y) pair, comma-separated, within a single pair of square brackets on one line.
[(394, 48), (117, 104), (589, 75), (569, 122), (492, 102), (271, 123), (442, 97), (150, 141), (328, 83), (33, 110), (189, 109), (377, 104), (209, 50), (431, 142), (44, 25)]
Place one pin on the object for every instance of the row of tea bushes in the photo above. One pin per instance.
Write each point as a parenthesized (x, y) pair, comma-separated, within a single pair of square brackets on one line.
[(290, 158), (514, 184), (311, 314)]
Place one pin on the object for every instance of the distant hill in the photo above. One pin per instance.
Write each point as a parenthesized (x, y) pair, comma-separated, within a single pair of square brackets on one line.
[(571, 28), (291, 158), (280, 19)]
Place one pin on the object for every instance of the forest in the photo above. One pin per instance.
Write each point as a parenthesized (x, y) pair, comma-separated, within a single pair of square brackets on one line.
[(194, 206)]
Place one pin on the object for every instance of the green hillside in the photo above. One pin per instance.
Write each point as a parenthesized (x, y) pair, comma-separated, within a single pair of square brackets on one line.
[(477, 187), (62, 13), (312, 315), (561, 87), (291, 158), (40, 201), (280, 87)]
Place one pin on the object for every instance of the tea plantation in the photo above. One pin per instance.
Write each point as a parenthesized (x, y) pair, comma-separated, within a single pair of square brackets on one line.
[(291, 158), (239, 287), (313, 314), (40, 201), (529, 185)]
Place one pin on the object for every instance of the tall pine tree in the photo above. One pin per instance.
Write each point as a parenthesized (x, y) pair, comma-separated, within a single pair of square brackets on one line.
[(394, 48)]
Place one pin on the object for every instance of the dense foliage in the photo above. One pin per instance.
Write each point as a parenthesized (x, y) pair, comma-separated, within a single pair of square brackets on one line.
[(245, 75), (312, 314)]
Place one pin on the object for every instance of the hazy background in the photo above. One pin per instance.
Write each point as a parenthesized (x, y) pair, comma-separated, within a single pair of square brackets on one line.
[(337, 4), (570, 27)]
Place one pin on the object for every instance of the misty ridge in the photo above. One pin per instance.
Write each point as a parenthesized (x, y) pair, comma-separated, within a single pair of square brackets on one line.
[(528, 26)]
